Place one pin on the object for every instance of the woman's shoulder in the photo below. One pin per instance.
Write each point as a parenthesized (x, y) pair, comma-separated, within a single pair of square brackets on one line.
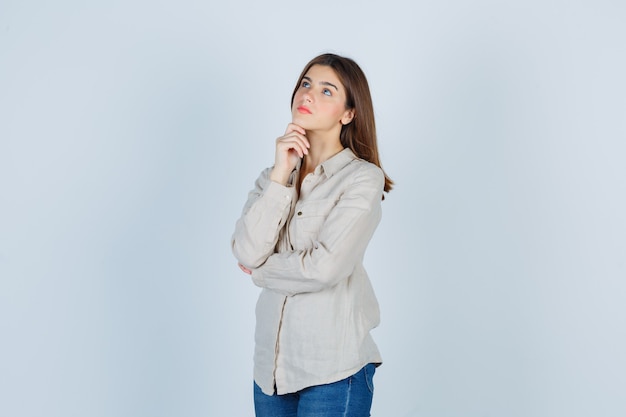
[(365, 168), (364, 172)]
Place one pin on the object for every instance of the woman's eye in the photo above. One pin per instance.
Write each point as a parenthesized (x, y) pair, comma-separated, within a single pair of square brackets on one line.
[(327, 92), (305, 84)]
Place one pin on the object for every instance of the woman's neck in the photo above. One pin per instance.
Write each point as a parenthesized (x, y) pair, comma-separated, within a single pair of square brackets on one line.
[(321, 149)]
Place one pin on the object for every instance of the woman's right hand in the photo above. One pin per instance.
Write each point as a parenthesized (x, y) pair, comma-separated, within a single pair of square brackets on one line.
[(290, 148), (244, 269)]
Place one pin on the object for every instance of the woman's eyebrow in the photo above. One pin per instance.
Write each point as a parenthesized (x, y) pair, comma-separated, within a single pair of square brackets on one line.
[(329, 84), (321, 82)]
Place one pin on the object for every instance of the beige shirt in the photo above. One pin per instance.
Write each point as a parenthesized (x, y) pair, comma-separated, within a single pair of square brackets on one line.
[(317, 306)]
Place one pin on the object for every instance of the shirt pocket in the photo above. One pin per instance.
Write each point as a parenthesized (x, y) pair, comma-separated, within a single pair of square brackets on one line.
[(308, 220)]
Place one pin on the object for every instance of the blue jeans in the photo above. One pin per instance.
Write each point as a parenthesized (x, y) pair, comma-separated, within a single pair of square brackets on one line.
[(350, 397)]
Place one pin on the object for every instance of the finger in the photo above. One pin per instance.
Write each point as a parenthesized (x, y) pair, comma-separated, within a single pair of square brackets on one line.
[(244, 269), (299, 144), (299, 137), (294, 146), (292, 127)]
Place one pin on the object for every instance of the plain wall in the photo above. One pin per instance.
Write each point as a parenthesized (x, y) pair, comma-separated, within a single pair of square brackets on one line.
[(131, 132)]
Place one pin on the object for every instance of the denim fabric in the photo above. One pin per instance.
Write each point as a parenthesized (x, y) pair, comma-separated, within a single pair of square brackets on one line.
[(350, 397)]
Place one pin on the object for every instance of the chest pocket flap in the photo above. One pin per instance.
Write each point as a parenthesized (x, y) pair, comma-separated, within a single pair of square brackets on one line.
[(309, 216)]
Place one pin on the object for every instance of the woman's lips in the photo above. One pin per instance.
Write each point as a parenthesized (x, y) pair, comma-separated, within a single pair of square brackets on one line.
[(304, 110)]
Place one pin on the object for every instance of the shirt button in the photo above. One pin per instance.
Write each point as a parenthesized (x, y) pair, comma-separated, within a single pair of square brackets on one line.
[(299, 213)]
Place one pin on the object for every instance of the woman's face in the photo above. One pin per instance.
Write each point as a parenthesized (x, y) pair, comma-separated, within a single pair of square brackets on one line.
[(320, 101)]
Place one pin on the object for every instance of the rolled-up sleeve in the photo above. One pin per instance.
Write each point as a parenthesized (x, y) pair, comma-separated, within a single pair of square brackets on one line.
[(340, 244), (264, 215)]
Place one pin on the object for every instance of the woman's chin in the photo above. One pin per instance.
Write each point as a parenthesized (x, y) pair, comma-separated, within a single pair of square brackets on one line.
[(301, 121)]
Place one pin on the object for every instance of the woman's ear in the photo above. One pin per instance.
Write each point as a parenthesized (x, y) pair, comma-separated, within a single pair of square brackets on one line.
[(348, 116)]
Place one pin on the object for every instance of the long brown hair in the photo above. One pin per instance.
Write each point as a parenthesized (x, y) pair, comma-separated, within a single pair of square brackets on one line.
[(360, 134)]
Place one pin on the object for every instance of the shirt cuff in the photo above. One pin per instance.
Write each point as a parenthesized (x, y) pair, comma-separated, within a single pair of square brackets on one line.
[(279, 192)]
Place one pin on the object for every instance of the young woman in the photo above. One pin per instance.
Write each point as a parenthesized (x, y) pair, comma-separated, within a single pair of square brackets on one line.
[(302, 237)]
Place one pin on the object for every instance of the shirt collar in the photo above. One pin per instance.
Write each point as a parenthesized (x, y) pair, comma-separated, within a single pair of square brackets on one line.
[(336, 162), (328, 167)]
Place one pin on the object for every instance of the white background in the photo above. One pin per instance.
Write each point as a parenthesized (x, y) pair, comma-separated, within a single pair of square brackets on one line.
[(131, 132)]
